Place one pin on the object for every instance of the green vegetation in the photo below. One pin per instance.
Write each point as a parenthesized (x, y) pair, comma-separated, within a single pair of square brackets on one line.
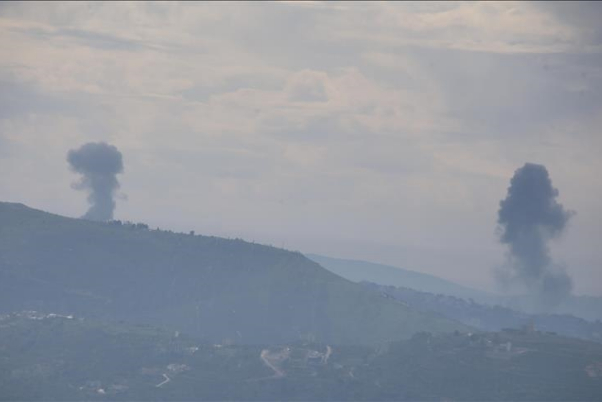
[(491, 318), (586, 307), (56, 358), (114, 311), (358, 271), (216, 289)]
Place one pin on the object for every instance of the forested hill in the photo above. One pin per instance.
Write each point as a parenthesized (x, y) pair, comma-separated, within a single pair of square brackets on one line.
[(215, 288)]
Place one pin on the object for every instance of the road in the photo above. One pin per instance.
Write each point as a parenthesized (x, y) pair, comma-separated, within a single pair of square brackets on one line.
[(278, 373), (167, 379), (327, 355)]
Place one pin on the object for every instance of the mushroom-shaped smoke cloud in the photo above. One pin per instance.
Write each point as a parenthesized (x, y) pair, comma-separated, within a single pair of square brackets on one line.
[(98, 163), (529, 217)]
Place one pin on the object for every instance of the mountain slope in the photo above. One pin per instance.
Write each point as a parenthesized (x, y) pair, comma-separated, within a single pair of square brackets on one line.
[(358, 271), (214, 288), (491, 318), (586, 307)]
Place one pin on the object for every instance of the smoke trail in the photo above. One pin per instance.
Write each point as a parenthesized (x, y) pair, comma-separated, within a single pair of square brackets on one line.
[(98, 163), (529, 217)]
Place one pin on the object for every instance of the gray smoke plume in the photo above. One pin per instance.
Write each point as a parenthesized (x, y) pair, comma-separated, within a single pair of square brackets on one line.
[(529, 217), (98, 163)]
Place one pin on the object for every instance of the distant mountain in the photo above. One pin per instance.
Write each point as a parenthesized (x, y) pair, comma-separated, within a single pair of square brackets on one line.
[(214, 288), (358, 271), (587, 307), (48, 357), (491, 318)]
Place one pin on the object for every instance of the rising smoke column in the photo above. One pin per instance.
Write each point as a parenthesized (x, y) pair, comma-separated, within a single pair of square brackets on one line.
[(528, 218), (98, 163)]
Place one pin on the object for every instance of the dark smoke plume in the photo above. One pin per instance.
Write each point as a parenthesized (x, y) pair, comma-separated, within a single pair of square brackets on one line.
[(529, 217), (98, 163)]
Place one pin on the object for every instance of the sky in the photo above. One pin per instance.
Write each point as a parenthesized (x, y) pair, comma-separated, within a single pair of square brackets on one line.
[(386, 132)]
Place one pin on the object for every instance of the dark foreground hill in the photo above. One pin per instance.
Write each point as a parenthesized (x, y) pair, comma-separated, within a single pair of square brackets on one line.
[(67, 358), (214, 288)]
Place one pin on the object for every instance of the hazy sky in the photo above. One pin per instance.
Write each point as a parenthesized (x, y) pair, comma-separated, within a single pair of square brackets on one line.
[(381, 131)]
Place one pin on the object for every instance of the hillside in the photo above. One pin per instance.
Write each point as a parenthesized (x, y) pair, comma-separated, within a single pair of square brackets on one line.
[(358, 271), (68, 358), (586, 307), (491, 318), (214, 288)]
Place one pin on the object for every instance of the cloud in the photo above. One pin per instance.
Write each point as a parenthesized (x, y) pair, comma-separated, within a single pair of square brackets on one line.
[(22, 98), (583, 18), (396, 119), (482, 27), (308, 86)]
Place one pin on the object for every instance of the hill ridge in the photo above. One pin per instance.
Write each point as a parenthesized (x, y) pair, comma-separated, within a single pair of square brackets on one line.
[(383, 274), (212, 287)]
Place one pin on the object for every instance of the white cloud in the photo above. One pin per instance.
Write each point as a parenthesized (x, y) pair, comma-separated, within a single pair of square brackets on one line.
[(500, 27), (385, 124)]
